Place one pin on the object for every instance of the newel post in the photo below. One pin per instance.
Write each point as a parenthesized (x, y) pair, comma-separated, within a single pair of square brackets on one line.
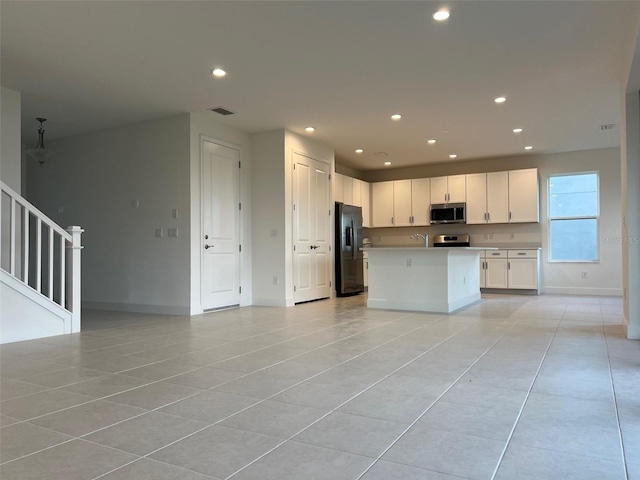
[(74, 284)]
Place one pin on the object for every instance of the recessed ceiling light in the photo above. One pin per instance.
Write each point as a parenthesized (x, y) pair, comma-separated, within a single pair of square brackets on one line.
[(453, 155), (310, 129), (500, 100), (441, 15), (528, 147), (387, 163), (396, 116), (431, 141), (517, 130), (359, 150), (218, 72)]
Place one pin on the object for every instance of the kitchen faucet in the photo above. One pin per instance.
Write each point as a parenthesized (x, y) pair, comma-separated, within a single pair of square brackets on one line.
[(423, 236)]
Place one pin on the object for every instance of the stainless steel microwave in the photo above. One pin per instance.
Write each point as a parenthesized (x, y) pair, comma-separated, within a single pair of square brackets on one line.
[(448, 213)]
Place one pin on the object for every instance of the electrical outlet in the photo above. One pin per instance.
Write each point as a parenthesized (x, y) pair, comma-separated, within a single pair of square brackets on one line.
[(275, 279), (584, 274), (172, 232), (174, 213), (409, 261), (158, 233)]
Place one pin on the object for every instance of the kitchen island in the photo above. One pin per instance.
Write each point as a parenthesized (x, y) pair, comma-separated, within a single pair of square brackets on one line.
[(423, 279)]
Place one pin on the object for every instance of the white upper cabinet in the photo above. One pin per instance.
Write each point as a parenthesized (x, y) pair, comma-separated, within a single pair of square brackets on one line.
[(365, 192), (477, 198), (497, 197), (524, 196), (402, 203), (353, 191), (382, 204), (348, 190), (451, 189), (503, 197), (357, 193), (420, 201), (338, 187)]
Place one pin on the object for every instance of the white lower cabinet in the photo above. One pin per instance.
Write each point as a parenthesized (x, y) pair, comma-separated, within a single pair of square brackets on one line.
[(365, 268), (513, 269)]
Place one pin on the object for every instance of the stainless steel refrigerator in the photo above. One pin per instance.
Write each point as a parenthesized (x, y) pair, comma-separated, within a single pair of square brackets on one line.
[(349, 261)]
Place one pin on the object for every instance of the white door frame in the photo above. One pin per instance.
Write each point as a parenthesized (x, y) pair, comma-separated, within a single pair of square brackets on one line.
[(201, 243)]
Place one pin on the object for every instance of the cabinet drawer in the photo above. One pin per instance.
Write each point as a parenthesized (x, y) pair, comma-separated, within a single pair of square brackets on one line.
[(523, 254), (495, 253)]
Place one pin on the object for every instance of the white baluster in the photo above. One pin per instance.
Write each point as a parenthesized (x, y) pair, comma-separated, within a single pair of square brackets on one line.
[(12, 238), (39, 255), (74, 277), (25, 246), (51, 263)]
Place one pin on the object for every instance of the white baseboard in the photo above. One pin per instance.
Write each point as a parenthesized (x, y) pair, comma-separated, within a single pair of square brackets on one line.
[(137, 308), (605, 292)]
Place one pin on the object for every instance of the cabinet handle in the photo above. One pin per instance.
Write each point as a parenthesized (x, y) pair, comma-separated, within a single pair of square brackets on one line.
[(508, 265), (521, 253), (495, 253), (489, 216), (391, 220), (509, 215)]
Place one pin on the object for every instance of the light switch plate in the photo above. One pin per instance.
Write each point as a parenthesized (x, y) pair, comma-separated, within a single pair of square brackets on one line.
[(158, 232), (172, 232)]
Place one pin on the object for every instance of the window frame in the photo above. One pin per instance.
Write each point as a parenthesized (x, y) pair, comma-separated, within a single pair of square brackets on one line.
[(595, 217)]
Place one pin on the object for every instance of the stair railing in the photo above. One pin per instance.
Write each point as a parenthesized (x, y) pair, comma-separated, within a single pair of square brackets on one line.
[(40, 253)]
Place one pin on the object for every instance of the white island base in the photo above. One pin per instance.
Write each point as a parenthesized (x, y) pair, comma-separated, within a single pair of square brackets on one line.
[(424, 279)]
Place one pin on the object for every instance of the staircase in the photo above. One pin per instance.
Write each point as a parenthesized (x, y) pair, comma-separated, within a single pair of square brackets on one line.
[(39, 272)]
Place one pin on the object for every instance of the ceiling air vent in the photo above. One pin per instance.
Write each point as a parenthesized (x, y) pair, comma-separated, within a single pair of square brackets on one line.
[(222, 111), (607, 126)]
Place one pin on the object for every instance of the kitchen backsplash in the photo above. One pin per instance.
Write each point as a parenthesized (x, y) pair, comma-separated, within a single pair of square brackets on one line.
[(516, 235)]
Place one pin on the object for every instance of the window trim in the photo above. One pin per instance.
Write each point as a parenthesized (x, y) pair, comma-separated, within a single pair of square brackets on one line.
[(595, 217)]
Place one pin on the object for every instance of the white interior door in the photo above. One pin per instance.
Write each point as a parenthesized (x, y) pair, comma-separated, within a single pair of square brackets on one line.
[(311, 229), (220, 226)]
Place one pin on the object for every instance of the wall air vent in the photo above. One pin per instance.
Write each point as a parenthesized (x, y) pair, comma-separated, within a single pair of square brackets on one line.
[(381, 154), (607, 126), (222, 111)]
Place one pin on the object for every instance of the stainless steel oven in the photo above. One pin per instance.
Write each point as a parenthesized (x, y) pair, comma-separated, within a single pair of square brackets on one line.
[(458, 240)]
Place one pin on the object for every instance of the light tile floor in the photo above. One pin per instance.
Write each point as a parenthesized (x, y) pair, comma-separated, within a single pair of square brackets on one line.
[(513, 387)]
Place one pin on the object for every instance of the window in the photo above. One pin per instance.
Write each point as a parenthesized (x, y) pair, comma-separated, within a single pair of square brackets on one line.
[(573, 217)]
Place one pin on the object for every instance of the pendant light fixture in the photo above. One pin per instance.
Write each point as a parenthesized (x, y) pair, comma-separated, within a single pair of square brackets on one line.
[(40, 153)]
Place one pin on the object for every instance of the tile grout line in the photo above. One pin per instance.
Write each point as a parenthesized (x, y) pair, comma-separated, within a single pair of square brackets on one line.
[(121, 372), (438, 399), (273, 395), (615, 405), (204, 390), (360, 393), (524, 403)]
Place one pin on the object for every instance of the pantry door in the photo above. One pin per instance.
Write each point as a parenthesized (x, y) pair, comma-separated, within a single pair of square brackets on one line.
[(311, 229)]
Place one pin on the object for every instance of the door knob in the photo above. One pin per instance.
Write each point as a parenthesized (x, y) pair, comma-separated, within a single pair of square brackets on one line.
[(207, 247), (313, 247)]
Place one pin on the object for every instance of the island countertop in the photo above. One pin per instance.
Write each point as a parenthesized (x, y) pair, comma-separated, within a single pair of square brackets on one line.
[(429, 249)]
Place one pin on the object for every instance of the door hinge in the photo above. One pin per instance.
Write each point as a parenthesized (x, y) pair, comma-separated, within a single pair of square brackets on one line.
[(294, 288), (329, 212), (294, 248), (294, 166), (239, 164), (294, 207), (329, 283), (239, 289), (240, 206), (239, 248), (329, 247), (329, 176)]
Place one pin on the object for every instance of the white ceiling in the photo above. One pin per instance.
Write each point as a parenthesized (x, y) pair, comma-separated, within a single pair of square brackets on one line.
[(343, 67)]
